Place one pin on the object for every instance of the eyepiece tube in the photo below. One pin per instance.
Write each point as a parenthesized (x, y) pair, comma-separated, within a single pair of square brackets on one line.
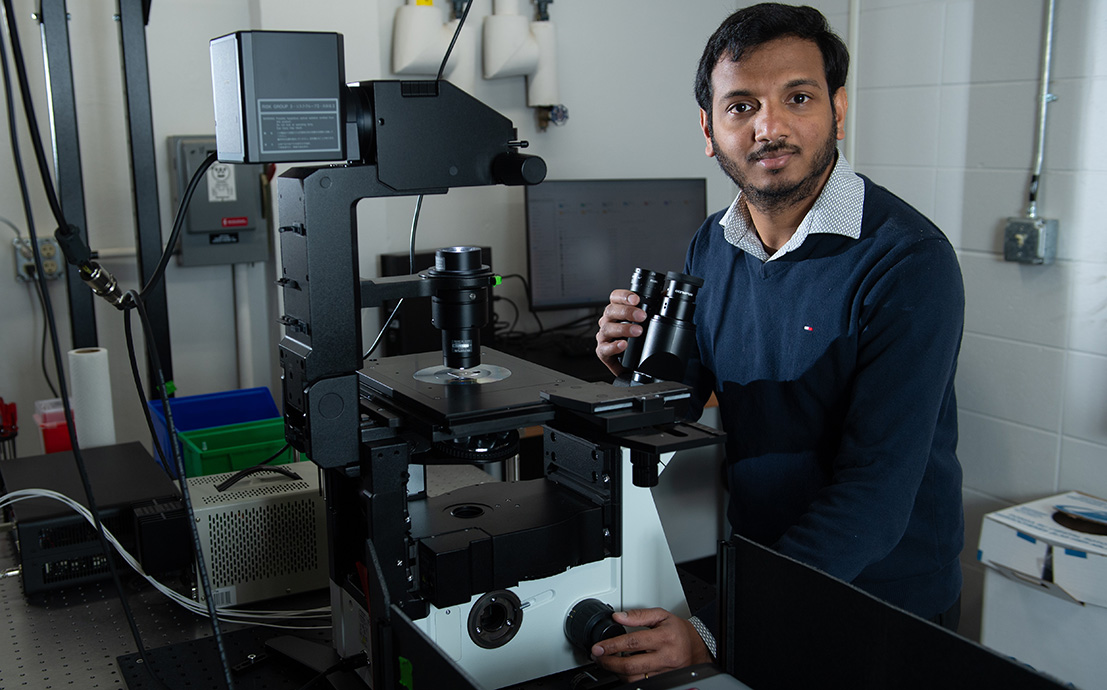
[(648, 286), (672, 333)]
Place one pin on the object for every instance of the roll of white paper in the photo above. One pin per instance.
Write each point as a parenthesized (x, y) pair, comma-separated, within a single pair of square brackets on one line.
[(90, 391)]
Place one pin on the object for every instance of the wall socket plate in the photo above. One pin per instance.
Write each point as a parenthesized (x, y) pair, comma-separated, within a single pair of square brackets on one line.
[(52, 261), (1030, 240)]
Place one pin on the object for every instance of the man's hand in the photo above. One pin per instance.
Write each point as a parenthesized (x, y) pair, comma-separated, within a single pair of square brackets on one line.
[(619, 321), (669, 643)]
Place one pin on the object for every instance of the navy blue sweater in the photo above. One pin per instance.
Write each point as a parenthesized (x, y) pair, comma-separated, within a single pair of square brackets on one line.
[(833, 366)]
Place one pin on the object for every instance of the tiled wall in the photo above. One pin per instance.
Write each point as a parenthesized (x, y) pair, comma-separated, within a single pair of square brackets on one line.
[(946, 112)]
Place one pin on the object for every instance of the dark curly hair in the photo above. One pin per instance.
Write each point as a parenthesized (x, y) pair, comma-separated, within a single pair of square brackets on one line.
[(753, 26)]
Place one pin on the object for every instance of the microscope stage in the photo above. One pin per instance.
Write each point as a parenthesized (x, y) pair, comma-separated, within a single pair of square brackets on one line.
[(403, 381)]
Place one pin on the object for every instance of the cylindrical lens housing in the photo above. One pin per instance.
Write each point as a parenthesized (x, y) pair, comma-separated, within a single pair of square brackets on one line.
[(460, 313), (648, 286)]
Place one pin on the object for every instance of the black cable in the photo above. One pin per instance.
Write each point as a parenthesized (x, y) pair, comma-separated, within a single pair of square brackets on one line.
[(446, 57), (137, 377), (530, 308), (510, 327), (242, 474), (410, 269), (29, 113), (48, 310), (11, 225), (42, 346), (178, 224), (174, 447)]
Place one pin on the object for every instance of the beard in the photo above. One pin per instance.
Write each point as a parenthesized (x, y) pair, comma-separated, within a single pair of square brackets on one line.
[(780, 194)]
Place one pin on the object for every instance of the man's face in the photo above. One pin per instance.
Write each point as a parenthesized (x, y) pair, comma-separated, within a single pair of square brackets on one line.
[(774, 124)]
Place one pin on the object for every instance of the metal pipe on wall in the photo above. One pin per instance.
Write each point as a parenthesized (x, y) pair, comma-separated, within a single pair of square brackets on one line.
[(1044, 99), (853, 44)]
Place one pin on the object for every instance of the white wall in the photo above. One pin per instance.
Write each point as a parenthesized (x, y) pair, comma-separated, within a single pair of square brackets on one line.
[(947, 106)]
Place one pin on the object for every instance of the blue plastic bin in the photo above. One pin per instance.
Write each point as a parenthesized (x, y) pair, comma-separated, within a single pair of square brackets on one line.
[(210, 410)]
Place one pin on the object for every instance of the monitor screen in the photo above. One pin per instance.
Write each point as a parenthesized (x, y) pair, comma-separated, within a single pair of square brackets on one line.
[(586, 237)]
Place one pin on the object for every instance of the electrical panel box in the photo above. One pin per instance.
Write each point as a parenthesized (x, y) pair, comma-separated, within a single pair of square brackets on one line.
[(226, 221), (1030, 240)]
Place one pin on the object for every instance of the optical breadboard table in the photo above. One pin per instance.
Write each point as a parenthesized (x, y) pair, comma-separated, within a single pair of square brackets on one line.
[(78, 637)]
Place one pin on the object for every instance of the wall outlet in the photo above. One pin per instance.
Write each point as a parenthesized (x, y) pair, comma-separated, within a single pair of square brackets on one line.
[(1030, 240), (52, 263)]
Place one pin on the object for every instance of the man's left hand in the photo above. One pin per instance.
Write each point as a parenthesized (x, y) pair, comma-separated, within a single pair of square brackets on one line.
[(670, 642)]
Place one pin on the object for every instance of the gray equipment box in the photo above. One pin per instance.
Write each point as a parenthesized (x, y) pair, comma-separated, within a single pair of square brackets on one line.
[(264, 537)]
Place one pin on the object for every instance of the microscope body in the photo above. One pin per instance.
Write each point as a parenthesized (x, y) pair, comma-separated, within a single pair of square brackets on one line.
[(470, 589)]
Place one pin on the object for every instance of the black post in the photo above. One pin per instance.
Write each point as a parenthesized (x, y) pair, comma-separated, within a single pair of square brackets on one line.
[(54, 25), (133, 16)]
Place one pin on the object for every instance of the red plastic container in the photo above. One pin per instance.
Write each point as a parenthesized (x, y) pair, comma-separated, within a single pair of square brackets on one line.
[(50, 418)]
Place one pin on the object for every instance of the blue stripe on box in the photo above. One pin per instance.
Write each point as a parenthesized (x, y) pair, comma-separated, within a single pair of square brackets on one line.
[(1074, 552), (980, 554), (1027, 537)]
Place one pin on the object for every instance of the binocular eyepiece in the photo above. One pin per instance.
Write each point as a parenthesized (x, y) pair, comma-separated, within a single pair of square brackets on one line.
[(668, 334)]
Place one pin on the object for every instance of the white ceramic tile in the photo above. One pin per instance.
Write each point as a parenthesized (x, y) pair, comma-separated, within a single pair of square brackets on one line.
[(913, 185), (1086, 397), (986, 125), (949, 204), (1086, 139), (901, 46), (1008, 300), (1074, 138), (973, 205), (839, 24), (953, 125), (886, 4), (827, 7), (957, 43), (1078, 202), (1016, 382), (1088, 317), (1007, 460), (897, 126), (992, 40), (1080, 37), (1084, 467)]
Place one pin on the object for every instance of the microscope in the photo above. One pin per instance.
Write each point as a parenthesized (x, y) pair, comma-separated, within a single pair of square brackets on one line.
[(489, 585)]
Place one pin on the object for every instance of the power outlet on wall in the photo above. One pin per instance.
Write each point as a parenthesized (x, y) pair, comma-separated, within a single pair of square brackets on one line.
[(25, 259), (1030, 240)]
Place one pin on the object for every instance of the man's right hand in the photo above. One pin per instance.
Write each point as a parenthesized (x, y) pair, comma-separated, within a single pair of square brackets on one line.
[(620, 320)]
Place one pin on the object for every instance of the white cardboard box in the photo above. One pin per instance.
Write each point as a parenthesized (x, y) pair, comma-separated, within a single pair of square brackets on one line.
[(1045, 589)]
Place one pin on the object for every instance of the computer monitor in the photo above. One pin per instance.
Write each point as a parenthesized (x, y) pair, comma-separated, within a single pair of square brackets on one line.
[(586, 237)]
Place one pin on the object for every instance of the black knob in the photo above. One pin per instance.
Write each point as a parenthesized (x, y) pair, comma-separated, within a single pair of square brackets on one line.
[(588, 622)]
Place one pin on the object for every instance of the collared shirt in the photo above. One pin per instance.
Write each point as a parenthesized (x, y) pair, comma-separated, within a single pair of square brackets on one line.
[(836, 211)]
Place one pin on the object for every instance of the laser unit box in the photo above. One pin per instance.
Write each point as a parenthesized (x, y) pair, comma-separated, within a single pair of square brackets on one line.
[(59, 548)]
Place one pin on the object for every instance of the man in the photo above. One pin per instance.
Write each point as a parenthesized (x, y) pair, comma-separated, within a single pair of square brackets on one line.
[(828, 328)]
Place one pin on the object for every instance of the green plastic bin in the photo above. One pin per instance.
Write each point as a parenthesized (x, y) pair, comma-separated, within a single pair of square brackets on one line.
[(233, 447)]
